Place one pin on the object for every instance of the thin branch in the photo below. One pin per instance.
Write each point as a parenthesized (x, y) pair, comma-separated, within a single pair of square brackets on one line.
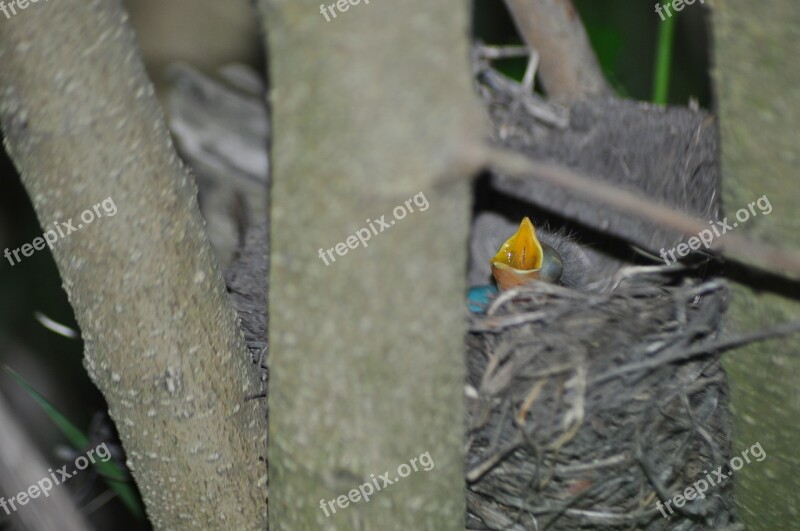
[(568, 67), (672, 356), (733, 247)]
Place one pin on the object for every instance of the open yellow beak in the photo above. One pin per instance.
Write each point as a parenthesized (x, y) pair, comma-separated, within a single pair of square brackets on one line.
[(521, 259)]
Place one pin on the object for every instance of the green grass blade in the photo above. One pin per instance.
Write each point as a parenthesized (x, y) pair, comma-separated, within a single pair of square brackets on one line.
[(75, 436), (78, 439), (663, 62)]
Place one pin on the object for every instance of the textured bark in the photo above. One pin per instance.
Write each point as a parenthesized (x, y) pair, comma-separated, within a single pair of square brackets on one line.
[(366, 354), (162, 342), (568, 67), (759, 106), (220, 128)]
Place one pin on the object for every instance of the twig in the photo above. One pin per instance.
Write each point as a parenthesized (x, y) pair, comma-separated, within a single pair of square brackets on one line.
[(784, 329), (735, 248), (496, 324), (568, 67)]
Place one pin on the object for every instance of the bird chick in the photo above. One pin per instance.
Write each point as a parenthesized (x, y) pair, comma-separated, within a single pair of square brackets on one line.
[(523, 259)]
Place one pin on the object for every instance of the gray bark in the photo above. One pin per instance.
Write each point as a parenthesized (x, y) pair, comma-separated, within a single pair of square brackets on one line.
[(759, 107), (367, 353), (221, 129), (162, 342)]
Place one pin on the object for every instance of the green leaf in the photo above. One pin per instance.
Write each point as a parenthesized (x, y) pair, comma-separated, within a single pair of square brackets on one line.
[(78, 439), (663, 60)]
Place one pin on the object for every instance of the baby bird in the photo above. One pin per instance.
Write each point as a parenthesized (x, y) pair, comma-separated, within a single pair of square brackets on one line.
[(523, 259), (530, 254)]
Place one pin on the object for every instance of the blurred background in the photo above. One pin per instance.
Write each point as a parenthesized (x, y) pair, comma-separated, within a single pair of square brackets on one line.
[(208, 34)]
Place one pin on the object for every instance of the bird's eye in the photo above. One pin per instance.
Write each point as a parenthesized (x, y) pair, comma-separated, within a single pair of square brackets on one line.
[(552, 264)]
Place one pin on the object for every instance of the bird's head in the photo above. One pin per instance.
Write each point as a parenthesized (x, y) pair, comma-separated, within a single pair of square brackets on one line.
[(523, 259)]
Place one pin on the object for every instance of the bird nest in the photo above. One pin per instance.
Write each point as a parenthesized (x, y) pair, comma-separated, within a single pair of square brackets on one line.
[(586, 409)]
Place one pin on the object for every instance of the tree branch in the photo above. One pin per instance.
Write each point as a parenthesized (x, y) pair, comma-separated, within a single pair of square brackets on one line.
[(734, 247), (568, 67), (366, 361), (161, 340), (756, 78)]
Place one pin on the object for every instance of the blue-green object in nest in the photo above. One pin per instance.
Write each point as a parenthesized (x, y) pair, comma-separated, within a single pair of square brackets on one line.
[(478, 297)]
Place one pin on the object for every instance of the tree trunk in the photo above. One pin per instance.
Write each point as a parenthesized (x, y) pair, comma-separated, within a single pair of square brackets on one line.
[(372, 112), (759, 107), (162, 343)]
